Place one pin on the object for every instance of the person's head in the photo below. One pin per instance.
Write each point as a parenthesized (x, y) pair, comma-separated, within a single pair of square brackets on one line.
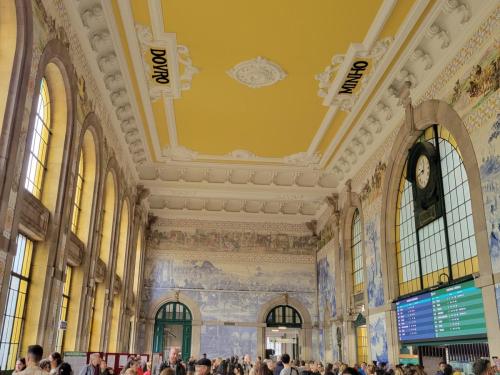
[(103, 364), (20, 364), (442, 365), (370, 369), (350, 371), (173, 355), (247, 358), (302, 363), (55, 359), (481, 367), (271, 365), (167, 371), (203, 366), (285, 358), (448, 370), (45, 365), (65, 369), (131, 371), (35, 354), (363, 365), (329, 367), (95, 359)]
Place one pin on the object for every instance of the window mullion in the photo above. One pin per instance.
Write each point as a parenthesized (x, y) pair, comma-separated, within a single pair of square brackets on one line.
[(445, 221)]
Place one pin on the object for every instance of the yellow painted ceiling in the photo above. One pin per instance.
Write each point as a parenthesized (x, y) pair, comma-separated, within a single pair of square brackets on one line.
[(219, 115)]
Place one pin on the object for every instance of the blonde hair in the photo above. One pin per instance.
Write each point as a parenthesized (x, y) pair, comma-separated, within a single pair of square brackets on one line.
[(130, 371)]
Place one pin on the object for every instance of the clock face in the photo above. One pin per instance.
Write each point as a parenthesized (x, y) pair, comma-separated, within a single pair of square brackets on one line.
[(423, 171)]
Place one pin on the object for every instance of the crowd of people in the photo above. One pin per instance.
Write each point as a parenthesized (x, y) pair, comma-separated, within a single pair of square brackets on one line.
[(35, 364)]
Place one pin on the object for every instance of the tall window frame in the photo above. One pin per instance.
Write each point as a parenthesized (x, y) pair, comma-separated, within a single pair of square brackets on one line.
[(38, 154), (358, 280), (15, 307), (444, 250), (77, 204), (63, 313)]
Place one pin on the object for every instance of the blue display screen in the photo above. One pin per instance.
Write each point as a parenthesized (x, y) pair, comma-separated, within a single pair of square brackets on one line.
[(453, 312)]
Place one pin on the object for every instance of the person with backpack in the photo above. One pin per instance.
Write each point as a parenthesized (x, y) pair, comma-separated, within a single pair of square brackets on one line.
[(288, 369)]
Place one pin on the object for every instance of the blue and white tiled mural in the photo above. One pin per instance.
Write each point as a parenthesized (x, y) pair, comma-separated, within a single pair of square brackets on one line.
[(375, 285), (227, 341), (378, 337), (490, 181), (326, 283)]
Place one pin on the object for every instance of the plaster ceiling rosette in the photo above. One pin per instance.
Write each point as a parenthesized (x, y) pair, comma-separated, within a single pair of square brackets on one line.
[(256, 73)]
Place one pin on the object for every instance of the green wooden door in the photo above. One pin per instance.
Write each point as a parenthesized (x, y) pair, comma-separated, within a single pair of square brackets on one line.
[(173, 317)]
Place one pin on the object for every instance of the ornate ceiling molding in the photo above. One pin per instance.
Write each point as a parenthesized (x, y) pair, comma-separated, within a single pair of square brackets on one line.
[(438, 39), (256, 73)]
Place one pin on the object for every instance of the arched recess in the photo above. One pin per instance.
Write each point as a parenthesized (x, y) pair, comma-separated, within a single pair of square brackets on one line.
[(15, 63), (307, 325), (107, 229), (119, 294), (90, 155), (56, 69), (136, 283), (193, 307), (423, 116)]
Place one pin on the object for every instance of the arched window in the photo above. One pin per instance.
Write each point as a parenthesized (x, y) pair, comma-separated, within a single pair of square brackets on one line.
[(357, 254), (78, 196), (8, 29), (444, 249), (284, 316), (116, 321), (39, 143), (107, 228), (14, 315), (20, 277)]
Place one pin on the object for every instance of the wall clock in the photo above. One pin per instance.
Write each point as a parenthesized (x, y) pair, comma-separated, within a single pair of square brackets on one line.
[(424, 173)]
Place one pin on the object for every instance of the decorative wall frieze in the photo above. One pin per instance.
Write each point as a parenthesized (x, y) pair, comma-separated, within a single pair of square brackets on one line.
[(192, 225), (426, 58), (225, 256), (257, 72)]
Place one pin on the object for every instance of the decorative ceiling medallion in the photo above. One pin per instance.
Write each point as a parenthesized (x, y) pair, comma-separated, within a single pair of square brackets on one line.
[(258, 72)]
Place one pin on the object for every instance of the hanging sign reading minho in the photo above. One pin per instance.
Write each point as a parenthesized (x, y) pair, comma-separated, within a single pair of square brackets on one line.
[(455, 312), (351, 82)]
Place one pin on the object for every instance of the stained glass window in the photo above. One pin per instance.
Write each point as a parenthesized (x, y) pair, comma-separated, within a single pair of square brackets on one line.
[(63, 316), (357, 254), (78, 196), (39, 144), (424, 256), (13, 319)]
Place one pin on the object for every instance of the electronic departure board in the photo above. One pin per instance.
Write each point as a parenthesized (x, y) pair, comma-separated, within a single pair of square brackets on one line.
[(453, 312)]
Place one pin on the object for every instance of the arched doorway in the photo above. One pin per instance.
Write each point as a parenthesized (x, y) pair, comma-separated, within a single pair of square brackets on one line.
[(173, 328), (283, 328)]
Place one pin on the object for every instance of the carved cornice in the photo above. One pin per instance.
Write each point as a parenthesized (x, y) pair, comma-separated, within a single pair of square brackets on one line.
[(75, 250), (34, 219)]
